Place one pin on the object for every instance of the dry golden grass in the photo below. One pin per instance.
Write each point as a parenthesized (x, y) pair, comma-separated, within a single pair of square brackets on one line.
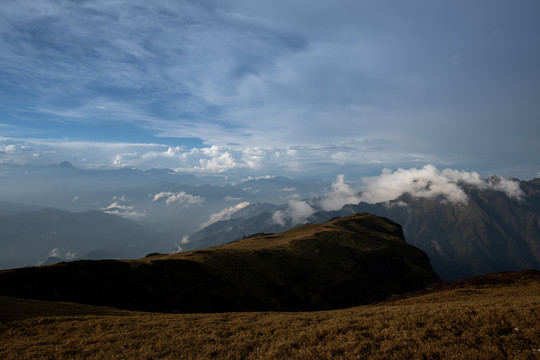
[(373, 226), (470, 321)]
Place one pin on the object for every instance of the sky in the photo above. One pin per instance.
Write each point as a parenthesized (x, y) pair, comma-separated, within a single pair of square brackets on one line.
[(295, 88)]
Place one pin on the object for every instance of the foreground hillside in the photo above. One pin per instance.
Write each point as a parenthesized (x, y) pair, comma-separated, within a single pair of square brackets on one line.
[(492, 317), (344, 262)]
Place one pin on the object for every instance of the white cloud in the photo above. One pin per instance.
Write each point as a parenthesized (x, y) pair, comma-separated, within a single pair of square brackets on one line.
[(218, 164), (426, 182), (125, 211), (224, 214), (9, 148), (231, 198), (212, 151), (180, 198), (200, 161), (340, 195), (263, 177), (120, 198), (177, 151), (499, 183), (185, 239), (297, 212), (279, 217), (125, 159), (429, 182), (62, 253)]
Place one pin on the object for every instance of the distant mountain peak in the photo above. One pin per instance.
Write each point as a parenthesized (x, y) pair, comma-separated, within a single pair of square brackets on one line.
[(495, 179), (66, 164)]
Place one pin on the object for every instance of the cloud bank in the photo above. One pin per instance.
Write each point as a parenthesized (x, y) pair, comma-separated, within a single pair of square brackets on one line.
[(430, 182), (227, 159), (427, 182)]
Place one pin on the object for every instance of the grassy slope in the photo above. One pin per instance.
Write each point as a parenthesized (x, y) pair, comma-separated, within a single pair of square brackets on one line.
[(345, 262), (493, 317)]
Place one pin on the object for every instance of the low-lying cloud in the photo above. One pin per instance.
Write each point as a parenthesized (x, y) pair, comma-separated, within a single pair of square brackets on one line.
[(179, 198), (287, 189), (183, 241), (297, 212), (430, 182), (224, 214), (62, 253), (126, 211), (341, 194)]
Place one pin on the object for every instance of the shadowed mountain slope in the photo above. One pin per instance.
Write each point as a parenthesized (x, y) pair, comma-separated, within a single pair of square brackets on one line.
[(492, 232), (344, 262)]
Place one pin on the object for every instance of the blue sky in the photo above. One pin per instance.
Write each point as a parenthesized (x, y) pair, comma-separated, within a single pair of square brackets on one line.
[(297, 88)]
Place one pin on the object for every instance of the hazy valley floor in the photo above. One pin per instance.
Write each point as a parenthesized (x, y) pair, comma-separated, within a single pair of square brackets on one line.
[(495, 317)]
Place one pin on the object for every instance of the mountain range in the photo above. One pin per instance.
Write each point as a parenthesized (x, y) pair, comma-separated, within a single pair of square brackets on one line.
[(468, 226), (161, 200), (52, 235), (490, 232)]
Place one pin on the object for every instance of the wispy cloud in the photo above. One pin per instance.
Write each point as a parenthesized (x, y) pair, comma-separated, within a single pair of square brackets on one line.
[(183, 241), (265, 85), (225, 213), (62, 253), (120, 208)]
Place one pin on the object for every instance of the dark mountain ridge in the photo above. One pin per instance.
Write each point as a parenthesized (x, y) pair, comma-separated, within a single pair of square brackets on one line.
[(344, 262)]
